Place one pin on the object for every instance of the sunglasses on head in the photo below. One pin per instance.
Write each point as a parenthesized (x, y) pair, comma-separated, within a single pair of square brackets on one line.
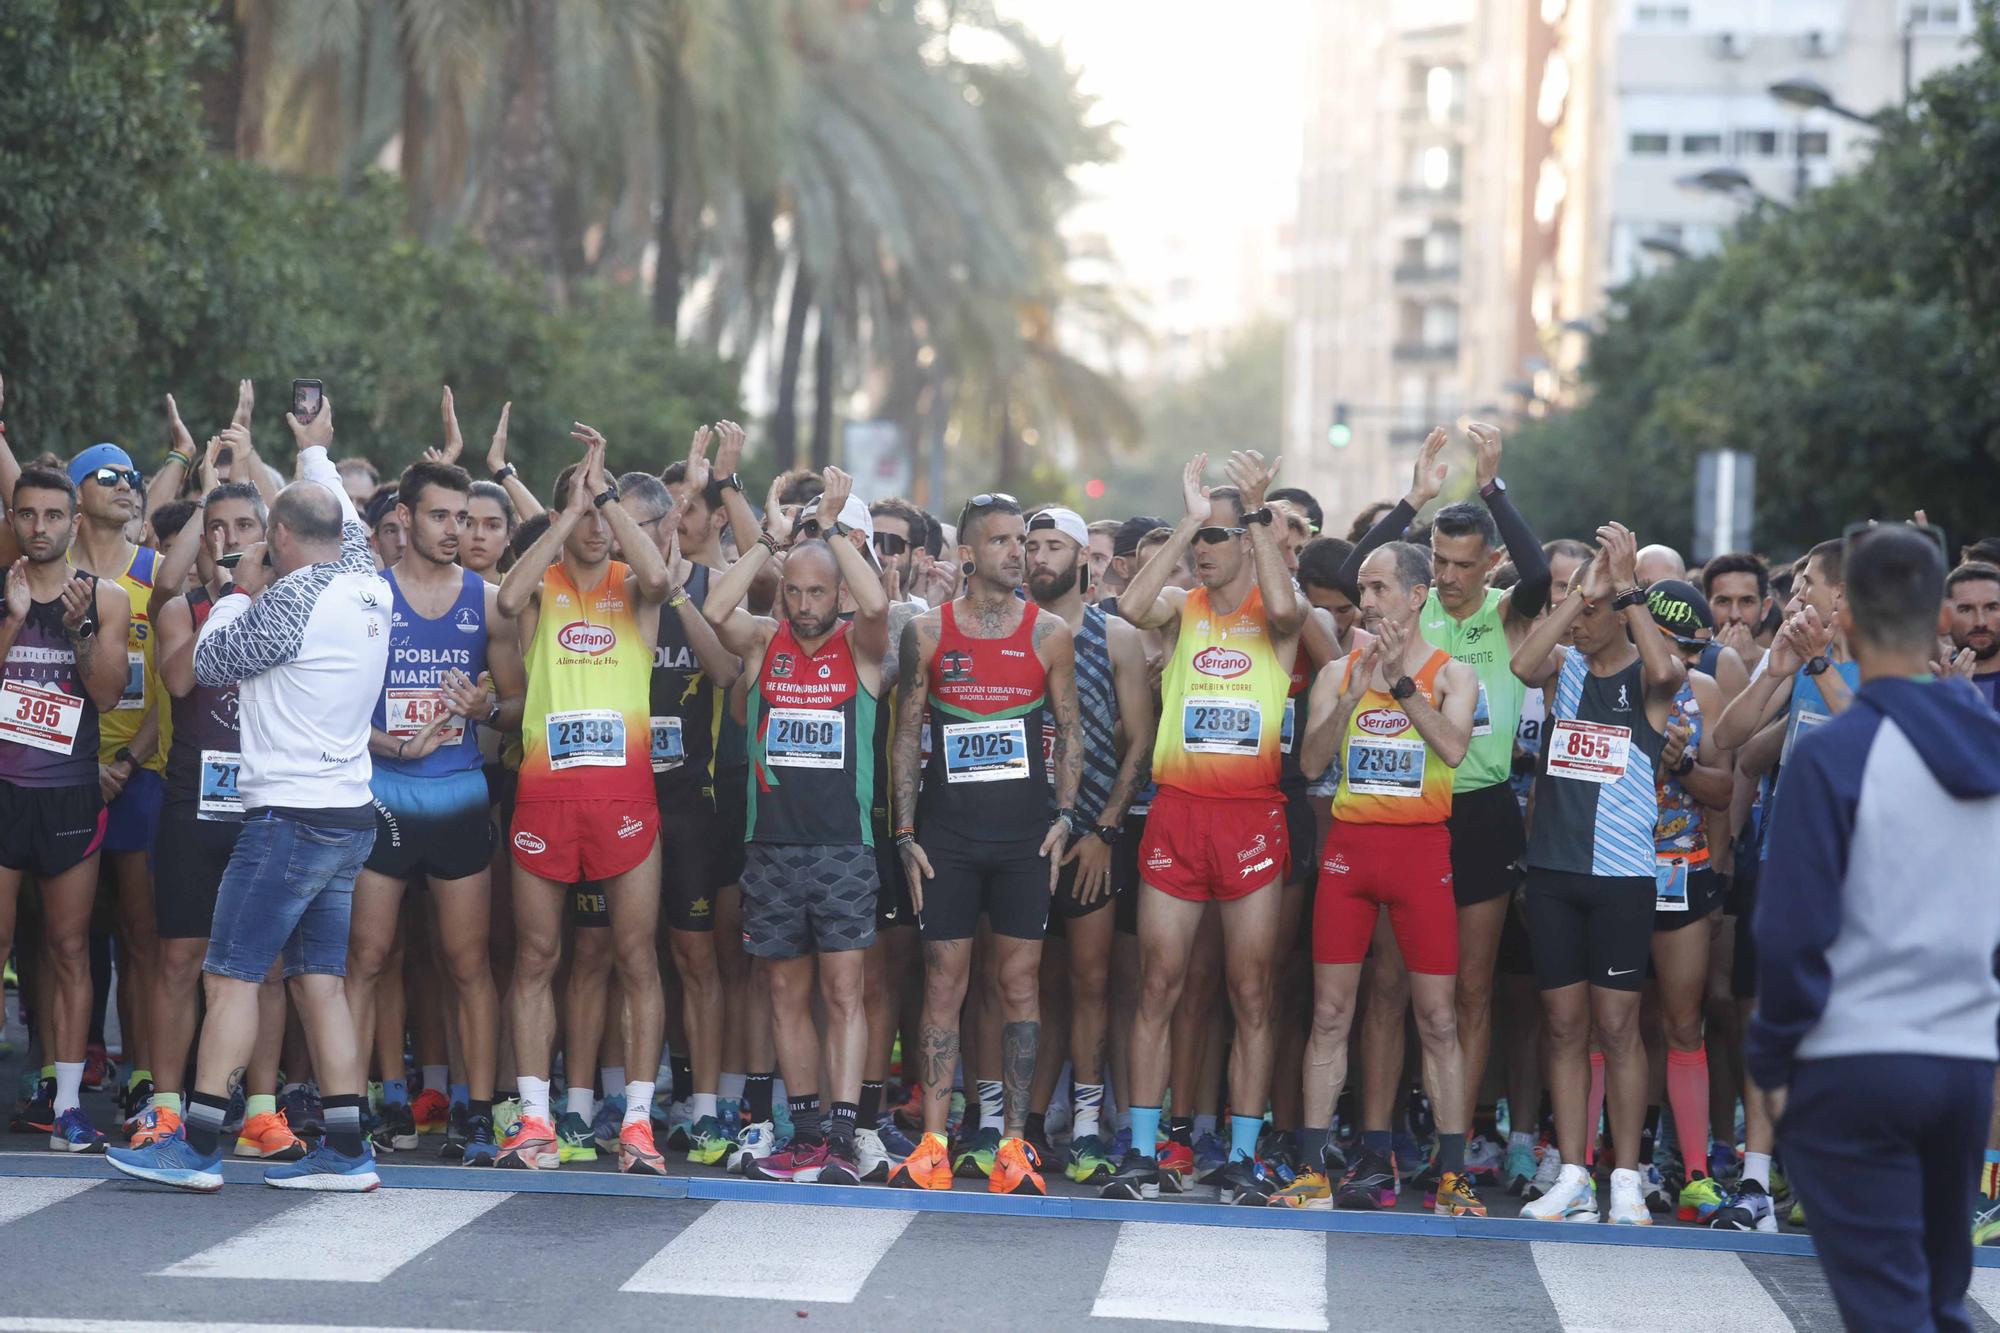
[(1216, 536), (985, 500), (108, 477), (889, 543)]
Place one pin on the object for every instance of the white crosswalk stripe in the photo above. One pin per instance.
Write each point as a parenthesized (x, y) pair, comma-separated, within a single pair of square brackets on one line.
[(22, 1195), (792, 1252), (1986, 1291), (1215, 1275), (1621, 1287), (342, 1238)]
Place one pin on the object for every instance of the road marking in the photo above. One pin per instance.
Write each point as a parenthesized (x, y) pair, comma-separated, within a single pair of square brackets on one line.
[(21, 1195), (1215, 1275), (25, 1324), (1986, 1290), (1622, 1287), (772, 1251), (338, 1238)]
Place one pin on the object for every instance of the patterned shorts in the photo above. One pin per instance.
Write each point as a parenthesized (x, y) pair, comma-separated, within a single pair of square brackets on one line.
[(808, 899)]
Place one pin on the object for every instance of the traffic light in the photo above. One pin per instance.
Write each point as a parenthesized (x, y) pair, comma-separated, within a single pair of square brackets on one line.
[(1339, 433), (1094, 488)]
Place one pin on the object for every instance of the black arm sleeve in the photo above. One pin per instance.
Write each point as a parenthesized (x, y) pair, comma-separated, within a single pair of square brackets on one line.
[(1388, 528), (1531, 594)]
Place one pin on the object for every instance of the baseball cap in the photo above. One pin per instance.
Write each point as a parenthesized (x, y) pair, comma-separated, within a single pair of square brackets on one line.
[(1066, 521), (1679, 610), (855, 515), (95, 457), (1131, 530)]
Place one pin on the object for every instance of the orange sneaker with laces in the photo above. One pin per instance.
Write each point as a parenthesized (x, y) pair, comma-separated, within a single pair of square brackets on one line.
[(1014, 1170), (158, 1122), (636, 1153), (269, 1136), (928, 1168), (530, 1145)]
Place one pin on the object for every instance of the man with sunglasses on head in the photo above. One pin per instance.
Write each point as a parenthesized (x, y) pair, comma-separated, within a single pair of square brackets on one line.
[(1217, 830)]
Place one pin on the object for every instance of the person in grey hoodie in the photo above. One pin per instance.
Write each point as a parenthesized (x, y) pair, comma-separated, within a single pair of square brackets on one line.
[(1878, 929)]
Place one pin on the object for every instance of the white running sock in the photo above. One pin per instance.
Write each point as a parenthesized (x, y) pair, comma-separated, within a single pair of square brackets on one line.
[(1756, 1166), (638, 1103), (581, 1102), (1088, 1099), (69, 1085), (701, 1104), (992, 1108), (534, 1098)]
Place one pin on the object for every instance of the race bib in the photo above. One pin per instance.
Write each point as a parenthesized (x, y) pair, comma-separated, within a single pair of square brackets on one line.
[(40, 718), (1587, 751), (1670, 886), (1482, 716), (668, 751), (217, 797), (405, 712), (134, 693), (1386, 765), (995, 751), (1801, 723), (1285, 726), (586, 738), (806, 738), (1212, 725)]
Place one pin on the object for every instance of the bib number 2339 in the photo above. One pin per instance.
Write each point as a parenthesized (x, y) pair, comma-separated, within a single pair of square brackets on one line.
[(1221, 726), (587, 738)]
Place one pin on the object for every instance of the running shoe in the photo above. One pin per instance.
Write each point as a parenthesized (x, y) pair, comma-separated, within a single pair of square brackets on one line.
[(1457, 1198), (266, 1135), (1427, 1180), (1628, 1200), (1653, 1186), (800, 1163), (708, 1145), (506, 1113), (530, 1145), (1014, 1169), (431, 1112), (303, 1113), (1136, 1178), (134, 1102), (1547, 1172), (1369, 1183), (574, 1140), (1722, 1162), (170, 1161), (1483, 1157), (1176, 1166), (1088, 1163), (1243, 1183), (73, 1132), (1797, 1216), (98, 1067), (398, 1131), (975, 1156), (842, 1166), (1210, 1154), (1309, 1189), (1038, 1139), (636, 1153), (157, 1123), (1985, 1220), (871, 1159), (1700, 1198), (928, 1168), (37, 1115), (1571, 1198), (610, 1119), (479, 1149), (755, 1143), (456, 1121), (680, 1124), (1519, 1172), (328, 1170), (894, 1141), (1412, 1156), (1747, 1208)]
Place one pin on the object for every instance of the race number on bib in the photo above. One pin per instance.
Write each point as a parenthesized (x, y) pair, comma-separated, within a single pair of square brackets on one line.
[(1670, 886), (44, 719), (218, 797), (1482, 716), (1587, 751), (134, 693), (1221, 726), (806, 738), (586, 738), (668, 751), (405, 712), (994, 751), (1285, 727), (1802, 722), (1386, 765)]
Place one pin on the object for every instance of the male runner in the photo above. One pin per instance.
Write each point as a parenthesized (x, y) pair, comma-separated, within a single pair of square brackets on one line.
[(450, 671), (809, 877), (1738, 589), (1972, 601), (1216, 832), (1397, 719), (1591, 881), (982, 840), (585, 808), (60, 638)]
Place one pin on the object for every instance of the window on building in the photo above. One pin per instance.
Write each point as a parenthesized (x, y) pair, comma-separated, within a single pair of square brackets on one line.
[(1756, 143), (1701, 145), (1661, 14), (1440, 324), (1811, 143), (1440, 247), (1440, 168), (1934, 13), (1646, 143)]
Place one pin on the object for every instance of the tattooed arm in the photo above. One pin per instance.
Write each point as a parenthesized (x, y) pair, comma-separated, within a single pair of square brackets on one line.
[(1057, 649), (919, 644)]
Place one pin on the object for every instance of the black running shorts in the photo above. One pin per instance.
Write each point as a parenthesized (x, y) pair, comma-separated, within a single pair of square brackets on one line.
[(1594, 928)]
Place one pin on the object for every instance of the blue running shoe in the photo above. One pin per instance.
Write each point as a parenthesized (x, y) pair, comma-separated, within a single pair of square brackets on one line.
[(480, 1149), (232, 1123), (1210, 1153), (729, 1114), (73, 1132), (610, 1118), (1722, 1162), (171, 1161), (1121, 1144), (327, 1169), (1412, 1157), (894, 1141)]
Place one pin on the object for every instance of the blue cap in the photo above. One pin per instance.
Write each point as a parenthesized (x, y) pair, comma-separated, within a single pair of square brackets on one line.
[(95, 457)]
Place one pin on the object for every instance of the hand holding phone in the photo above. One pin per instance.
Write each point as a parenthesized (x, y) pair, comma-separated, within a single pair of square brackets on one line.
[(306, 395)]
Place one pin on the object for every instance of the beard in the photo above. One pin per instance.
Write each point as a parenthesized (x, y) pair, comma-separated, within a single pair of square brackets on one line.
[(1052, 587)]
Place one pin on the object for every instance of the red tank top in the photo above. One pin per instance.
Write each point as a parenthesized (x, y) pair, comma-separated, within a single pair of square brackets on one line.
[(985, 779)]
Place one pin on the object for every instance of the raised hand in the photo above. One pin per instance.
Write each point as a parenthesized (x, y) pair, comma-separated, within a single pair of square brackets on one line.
[(1678, 735), (20, 598), (839, 485), (1249, 475), (1596, 584), (246, 403), (1392, 639), (1815, 635), (251, 574), (464, 696), (777, 522), (1486, 442), (318, 431), (454, 442), (183, 439), (496, 452), (78, 596), (1962, 663), (728, 448), (1738, 636), (1788, 651), (592, 472), (426, 741), (1621, 551), (211, 464), (1362, 672), (698, 470), (1427, 477), (1193, 492)]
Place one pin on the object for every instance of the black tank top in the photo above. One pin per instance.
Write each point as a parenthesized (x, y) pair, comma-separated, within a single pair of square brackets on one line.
[(50, 724), (684, 712), (200, 762), (811, 728), (987, 776)]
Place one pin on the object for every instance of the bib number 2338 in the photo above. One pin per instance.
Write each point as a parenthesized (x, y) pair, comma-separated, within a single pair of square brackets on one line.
[(587, 738)]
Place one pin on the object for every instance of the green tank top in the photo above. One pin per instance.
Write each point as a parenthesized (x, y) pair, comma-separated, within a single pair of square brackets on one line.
[(1480, 641)]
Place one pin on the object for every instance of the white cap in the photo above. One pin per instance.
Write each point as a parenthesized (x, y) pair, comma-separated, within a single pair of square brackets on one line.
[(1066, 521), (855, 515)]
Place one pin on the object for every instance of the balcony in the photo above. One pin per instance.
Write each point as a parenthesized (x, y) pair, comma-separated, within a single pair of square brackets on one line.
[(1416, 273), (1419, 351), (1440, 197)]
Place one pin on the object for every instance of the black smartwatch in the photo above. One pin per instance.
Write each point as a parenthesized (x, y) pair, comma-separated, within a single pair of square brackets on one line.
[(838, 529), (124, 756), (1260, 515), (605, 496), (729, 483), (1630, 597), (1819, 665), (1402, 689), (504, 473), (1106, 833), (1685, 766)]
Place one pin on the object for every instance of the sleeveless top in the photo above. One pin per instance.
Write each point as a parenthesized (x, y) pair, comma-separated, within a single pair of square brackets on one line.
[(1292, 728), (1480, 641), (1680, 834), (420, 652), (584, 729), (986, 698), (1388, 773), (116, 728), (1595, 802), (1097, 708), (685, 715), (48, 725), (202, 766), (1222, 703), (810, 729)]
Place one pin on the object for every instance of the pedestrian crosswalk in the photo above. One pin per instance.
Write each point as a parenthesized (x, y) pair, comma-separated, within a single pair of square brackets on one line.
[(615, 1255)]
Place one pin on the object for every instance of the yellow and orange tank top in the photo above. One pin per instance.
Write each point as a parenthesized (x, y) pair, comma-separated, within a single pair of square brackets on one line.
[(1388, 774), (143, 687), (1222, 703), (586, 729)]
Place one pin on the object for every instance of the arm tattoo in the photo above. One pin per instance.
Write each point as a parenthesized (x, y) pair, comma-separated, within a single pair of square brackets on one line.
[(905, 753), (1068, 755), (1018, 1042)]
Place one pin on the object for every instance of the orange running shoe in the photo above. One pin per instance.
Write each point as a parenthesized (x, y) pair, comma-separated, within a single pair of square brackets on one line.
[(156, 1123), (636, 1153), (530, 1145), (431, 1111), (928, 1168), (267, 1135), (1014, 1169)]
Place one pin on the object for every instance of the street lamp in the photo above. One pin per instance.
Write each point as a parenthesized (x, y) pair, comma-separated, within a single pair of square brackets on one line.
[(1664, 246), (1730, 181), (1811, 95)]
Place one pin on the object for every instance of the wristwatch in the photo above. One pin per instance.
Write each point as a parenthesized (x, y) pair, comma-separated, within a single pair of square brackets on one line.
[(1067, 817), (605, 496), (1492, 488), (124, 756), (493, 713), (1685, 766), (87, 630), (729, 483), (1402, 689), (506, 471), (1819, 665), (1106, 833), (1262, 514), (1630, 597)]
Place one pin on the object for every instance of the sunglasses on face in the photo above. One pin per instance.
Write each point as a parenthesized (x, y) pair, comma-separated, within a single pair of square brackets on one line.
[(1216, 536), (108, 477), (888, 543)]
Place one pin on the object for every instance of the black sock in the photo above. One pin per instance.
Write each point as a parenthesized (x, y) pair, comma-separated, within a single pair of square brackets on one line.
[(1649, 1134), (842, 1136), (1037, 1127), (1180, 1129), (474, 1108), (757, 1092), (343, 1124), (1377, 1141), (869, 1109), (683, 1079), (204, 1121), (1451, 1152), (805, 1118)]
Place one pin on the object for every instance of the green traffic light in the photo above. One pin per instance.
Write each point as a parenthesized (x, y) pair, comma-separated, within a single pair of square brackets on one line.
[(1339, 434)]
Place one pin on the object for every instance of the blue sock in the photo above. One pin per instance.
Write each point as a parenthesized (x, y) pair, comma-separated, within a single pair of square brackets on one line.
[(461, 1094), (1243, 1132), (1377, 1141), (1146, 1131), (395, 1091)]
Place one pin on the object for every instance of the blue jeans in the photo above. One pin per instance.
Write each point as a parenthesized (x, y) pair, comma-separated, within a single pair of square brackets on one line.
[(289, 886)]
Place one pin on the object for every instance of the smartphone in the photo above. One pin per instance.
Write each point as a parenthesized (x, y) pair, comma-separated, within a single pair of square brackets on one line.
[(305, 399), (229, 561)]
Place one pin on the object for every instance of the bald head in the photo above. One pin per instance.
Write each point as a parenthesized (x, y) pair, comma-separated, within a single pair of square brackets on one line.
[(1660, 562), (309, 512)]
